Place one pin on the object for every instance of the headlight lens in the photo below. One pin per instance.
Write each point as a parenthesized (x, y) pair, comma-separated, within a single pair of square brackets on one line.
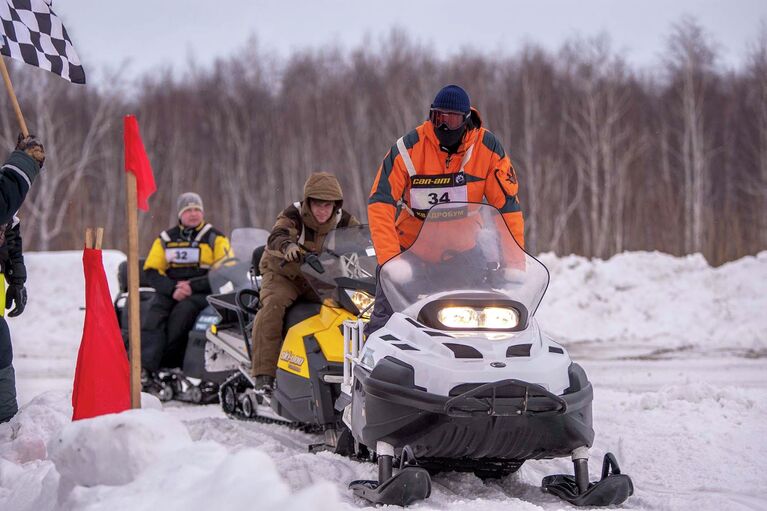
[(500, 318), (459, 317), (491, 318), (362, 301)]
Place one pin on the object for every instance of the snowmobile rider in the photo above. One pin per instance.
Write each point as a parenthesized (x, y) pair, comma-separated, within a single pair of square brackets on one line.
[(177, 268), (16, 177), (448, 158), (300, 228)]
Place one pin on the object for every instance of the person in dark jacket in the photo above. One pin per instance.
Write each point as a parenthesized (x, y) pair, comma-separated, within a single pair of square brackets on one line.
[(300, 227), (16, 177)]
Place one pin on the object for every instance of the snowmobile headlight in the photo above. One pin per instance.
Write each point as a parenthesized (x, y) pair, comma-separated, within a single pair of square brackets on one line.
[(499, 318), (362, 300), (459, 317), (491, 318)]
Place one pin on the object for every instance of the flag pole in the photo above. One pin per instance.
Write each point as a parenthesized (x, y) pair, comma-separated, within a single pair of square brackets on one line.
[(14, 101), (134, 327)]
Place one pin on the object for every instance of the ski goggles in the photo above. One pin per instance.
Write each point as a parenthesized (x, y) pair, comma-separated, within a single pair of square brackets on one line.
[(453, 120)]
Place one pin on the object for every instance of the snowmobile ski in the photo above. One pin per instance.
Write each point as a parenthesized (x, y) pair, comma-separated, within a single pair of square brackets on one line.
[(611, 490), (407, 486)]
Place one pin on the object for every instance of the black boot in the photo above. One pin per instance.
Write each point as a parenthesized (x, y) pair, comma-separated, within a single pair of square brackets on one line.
[(8, 405), (264, 383)]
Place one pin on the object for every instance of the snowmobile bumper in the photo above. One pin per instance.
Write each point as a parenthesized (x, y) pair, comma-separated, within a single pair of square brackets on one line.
[(506, 419)]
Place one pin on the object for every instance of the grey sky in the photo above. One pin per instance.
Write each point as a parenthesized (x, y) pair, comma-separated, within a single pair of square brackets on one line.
[(151, 33)]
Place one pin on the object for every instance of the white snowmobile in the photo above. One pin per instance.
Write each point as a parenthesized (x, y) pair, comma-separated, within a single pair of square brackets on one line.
[(193, 382), (461, 377)]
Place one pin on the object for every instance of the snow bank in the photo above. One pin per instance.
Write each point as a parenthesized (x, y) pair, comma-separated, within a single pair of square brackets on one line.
[(134, 441), (657, 301), (135, 460)]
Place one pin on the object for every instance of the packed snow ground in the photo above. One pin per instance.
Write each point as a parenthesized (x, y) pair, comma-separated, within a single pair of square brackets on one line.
[(676, 350)]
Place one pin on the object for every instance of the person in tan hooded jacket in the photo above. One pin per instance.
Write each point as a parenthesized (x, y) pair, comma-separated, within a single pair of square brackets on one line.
[(301, 227)]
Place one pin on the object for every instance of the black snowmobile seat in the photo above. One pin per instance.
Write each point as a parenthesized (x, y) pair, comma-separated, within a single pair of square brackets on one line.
[(122, 275), (255, 260)]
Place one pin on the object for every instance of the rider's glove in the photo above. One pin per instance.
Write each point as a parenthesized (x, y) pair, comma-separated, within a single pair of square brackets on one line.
[(514, 275), (292, 253), (17, 294), (33, 147), (398, 270)]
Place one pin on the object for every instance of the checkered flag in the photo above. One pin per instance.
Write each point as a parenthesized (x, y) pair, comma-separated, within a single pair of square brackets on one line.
[(32, 32)]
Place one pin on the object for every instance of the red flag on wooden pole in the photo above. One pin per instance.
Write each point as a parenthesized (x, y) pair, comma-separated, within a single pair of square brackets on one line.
[(137, 162), (102, 375)]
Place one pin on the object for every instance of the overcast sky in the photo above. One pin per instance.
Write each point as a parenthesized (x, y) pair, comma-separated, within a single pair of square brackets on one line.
[(147, 34)]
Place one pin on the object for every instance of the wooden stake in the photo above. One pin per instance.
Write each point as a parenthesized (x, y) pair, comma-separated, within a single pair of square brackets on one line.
[(88, 238), (99, 237), (134, 327), (14, 101)]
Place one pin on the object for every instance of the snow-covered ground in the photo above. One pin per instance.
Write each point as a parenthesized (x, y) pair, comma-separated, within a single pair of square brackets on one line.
[(676, 350)]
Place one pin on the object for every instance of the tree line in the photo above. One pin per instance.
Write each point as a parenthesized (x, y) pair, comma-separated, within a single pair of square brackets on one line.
[(609, 157)]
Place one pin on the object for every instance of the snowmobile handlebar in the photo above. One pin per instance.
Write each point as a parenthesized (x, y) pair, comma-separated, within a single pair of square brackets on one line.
[(310, 258), (246, 306)]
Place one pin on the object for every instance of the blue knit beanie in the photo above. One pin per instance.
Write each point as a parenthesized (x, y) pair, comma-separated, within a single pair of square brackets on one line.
[(452, 97)]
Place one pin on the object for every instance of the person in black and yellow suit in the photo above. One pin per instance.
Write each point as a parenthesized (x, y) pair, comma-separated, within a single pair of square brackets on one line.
[(177, 268)]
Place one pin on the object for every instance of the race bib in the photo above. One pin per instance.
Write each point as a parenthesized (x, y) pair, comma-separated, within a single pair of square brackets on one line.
[(428, 191), (185, 255)]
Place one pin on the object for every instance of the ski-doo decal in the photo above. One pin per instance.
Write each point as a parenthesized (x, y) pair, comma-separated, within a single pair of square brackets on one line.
[(294, 361), (293, 350)]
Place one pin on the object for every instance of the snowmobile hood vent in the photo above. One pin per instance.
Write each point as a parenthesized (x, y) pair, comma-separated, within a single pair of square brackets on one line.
[(518, 350), (463, 351)]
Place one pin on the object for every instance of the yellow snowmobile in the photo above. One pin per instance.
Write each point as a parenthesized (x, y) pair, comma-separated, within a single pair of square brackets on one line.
[(310, 366)]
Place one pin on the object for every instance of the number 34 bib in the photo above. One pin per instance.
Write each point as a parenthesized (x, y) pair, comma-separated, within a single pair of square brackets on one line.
[(428, 191)]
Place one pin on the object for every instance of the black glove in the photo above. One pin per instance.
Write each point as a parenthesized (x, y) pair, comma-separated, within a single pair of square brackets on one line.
[(32, 146), (16, 293)]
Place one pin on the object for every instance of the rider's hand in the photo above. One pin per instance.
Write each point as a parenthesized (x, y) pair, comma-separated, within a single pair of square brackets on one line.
[(292, 253), (398, 270), (179, 295), (183, 290), (17, 294), (33, 147)]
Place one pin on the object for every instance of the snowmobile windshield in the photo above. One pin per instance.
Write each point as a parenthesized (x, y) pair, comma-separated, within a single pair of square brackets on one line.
[(463, 247), (344, 270), (231, 273)]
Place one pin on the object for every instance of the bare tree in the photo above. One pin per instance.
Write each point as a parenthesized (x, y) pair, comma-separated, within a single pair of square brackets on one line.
[(691, 59)]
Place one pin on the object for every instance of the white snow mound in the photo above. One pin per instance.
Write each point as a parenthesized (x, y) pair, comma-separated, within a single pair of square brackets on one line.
[(657, 301), (113, 449)]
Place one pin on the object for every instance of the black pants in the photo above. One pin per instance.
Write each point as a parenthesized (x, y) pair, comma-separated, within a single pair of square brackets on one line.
[(382, 310), (8, 405), (165, 330)]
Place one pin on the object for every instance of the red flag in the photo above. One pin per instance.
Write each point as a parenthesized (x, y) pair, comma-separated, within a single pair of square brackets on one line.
[(136, 161), (102, 375)]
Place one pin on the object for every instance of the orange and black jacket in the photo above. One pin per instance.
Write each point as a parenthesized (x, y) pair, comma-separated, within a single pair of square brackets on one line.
[(488, 172)]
